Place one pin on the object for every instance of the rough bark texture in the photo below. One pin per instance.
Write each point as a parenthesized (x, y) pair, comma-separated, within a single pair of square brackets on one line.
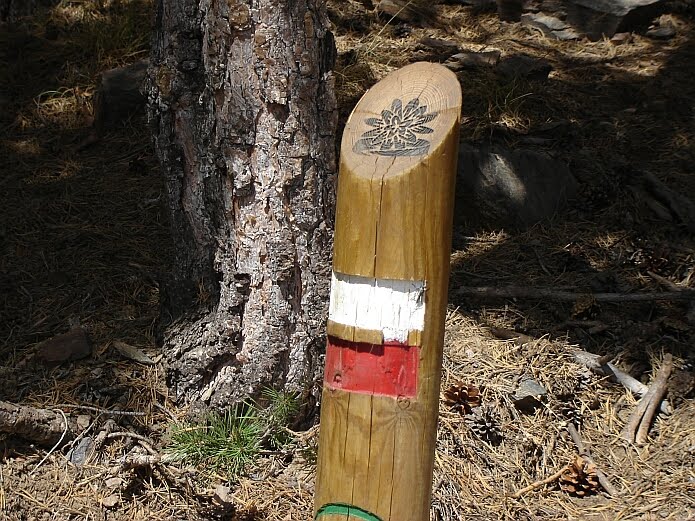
[(38, 425), (244, 117)]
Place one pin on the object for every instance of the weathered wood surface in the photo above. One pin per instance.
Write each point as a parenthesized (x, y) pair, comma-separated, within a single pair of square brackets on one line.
[(388, 299), (244, 119)]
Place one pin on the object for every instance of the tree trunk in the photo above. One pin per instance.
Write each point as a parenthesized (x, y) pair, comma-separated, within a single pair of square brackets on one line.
[(244, 118)]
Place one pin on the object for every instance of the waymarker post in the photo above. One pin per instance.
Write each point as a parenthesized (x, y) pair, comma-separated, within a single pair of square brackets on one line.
[(388, 299)]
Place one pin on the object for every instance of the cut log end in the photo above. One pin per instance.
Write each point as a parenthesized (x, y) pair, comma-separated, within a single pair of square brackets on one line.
[(402, 120)]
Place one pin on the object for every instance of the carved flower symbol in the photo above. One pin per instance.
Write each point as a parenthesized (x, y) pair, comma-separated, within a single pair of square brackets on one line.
[(395, 133)]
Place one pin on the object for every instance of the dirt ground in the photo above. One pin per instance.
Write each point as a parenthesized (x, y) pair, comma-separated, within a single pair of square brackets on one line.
[(83, 238)]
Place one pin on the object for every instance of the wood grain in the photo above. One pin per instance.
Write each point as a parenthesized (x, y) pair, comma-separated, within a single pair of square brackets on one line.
[(393, 222)]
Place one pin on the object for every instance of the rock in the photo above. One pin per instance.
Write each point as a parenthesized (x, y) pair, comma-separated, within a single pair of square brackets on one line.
[(119, 95), (557, 7), (414, 11), (566, 34), (524, 66), (113, 483), (550, 26), (470, 60), (665, 32), (439, 44), (67, 347), (501, 188), (82, 421), (110, 501), (80, 454), (545, 23), (223, 495), (527, 396), (599, 18), (621, 38)]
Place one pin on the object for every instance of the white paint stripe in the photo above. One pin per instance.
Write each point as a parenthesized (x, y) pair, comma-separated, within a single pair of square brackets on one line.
[(394, 307)]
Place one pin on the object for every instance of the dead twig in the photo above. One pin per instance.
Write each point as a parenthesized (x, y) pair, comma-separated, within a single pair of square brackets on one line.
[(102, 411), (136, 461), (583, 451), (538, 484), (166, 411), (3, 497), (145, 442), (57, 444), (107, 428), (591, 361), (569, 296), (641, 418)]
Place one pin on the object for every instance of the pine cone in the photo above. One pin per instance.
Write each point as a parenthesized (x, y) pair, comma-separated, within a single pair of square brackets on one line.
[(484, 422), (579, 478), (462, 397)]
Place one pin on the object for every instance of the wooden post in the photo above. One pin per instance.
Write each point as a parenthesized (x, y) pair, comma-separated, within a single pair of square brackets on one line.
[(388, 299)]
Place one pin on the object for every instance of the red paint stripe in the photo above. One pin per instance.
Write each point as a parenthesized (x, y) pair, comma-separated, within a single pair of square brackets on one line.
[(388, 370)]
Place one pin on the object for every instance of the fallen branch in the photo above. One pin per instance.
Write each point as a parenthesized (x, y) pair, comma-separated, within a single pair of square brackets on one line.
[(641, 418), (538, 484), (525, 292), (106, 429), (591, 361), (584, 453), (42, 426), (135, 461)]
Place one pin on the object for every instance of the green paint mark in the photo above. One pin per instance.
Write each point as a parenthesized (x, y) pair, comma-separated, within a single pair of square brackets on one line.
[(341, 509)]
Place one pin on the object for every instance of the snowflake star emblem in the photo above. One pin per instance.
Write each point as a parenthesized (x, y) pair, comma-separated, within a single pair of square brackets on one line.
[(395, 133)]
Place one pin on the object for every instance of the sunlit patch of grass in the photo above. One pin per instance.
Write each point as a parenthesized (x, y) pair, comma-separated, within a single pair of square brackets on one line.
[(227, 442), (66, 107), (282, 409), (230, 442)]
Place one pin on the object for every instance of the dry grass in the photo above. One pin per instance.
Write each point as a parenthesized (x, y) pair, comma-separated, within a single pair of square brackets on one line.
[(84, 237)]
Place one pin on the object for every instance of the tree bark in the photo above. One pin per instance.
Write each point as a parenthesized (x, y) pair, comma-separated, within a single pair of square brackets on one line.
[(244, 117)]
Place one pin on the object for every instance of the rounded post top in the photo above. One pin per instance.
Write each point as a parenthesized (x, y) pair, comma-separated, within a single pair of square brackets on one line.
[(401, 120)]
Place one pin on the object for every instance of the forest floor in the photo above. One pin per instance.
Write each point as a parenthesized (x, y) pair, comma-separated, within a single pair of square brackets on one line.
[(84, 236)]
